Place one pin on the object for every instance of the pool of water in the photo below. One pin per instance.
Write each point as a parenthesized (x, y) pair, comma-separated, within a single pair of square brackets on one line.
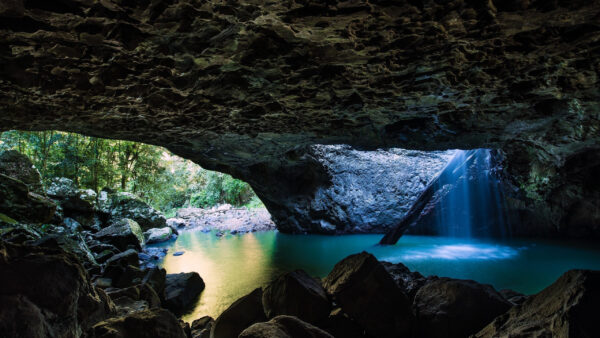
[(233, 265)]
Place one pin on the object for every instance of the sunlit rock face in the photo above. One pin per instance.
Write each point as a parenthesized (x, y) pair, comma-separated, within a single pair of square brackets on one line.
[(369, 191), (245, 86)]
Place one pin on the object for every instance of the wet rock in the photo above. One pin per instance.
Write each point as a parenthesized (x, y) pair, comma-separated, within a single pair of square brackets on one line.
[(126, 205), (123, 233), (367, 292), (158, 235), (178, 253), (17, 202), (182, 291), (284, 327), (456, 308), (20, 167), (567, 308), (296, 294), (239, 315), (50, 286), (144, 324)]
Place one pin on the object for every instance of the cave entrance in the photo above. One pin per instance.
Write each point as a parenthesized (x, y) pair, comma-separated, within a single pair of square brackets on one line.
[(170, 184)]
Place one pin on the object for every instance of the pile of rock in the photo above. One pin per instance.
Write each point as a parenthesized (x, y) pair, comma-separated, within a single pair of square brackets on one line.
[(75, 263), (224, 218)]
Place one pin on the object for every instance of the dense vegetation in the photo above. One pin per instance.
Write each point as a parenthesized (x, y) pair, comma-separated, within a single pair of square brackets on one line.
[(165, 181)]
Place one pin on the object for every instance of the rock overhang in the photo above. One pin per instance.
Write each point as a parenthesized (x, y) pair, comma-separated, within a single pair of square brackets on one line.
[(247, 87)]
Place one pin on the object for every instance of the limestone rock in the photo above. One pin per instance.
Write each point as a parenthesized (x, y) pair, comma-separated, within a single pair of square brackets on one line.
[(284, 327), (567, 308), (456, 308), (145, 324), (296, 294), (182, 291), (367, 292), (239, 315)]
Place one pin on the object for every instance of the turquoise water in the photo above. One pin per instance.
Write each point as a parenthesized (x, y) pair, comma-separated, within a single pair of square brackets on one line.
[(234, 265)]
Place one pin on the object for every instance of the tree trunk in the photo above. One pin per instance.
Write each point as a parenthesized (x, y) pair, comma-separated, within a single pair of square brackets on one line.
[(427, 196)]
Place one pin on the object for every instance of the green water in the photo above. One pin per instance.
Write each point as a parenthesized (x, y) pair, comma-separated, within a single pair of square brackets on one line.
[(234, 265)]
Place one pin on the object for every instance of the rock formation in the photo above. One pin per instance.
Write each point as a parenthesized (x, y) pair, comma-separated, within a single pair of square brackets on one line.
[(246, 87)]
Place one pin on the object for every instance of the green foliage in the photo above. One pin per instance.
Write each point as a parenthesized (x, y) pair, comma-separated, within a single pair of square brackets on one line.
[(165, 181)]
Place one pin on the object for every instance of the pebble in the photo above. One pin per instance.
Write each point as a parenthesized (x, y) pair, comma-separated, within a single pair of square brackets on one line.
[(178, 253)]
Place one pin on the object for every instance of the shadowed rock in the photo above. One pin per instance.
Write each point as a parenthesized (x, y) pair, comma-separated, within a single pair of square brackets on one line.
[(239, 315), (456, 308), (284, 327), (367, 292), (296, 294), (567, 308), (182, 291), (145, 324)]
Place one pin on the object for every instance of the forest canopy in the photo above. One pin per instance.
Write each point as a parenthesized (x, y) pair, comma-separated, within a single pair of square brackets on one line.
[(165, 181)]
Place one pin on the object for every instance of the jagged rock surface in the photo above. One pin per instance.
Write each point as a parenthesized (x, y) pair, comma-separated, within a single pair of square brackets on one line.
[(245, 87)]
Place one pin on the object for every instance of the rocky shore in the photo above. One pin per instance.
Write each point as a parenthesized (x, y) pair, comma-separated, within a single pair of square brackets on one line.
[(223, 218), (75, 264)]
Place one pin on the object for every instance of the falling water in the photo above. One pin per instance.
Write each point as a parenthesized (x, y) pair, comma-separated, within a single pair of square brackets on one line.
[(469, 199)]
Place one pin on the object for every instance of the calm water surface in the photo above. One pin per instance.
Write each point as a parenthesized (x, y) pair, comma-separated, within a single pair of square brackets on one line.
[(234, 265)]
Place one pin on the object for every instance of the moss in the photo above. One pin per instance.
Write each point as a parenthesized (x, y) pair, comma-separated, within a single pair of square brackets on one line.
[(6, 219)]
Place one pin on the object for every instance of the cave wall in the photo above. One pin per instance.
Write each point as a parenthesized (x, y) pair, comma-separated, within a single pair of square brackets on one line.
[(246, 87)]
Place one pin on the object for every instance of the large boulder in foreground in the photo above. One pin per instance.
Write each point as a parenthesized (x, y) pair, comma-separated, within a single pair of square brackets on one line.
[(182, 291), (16, 201), (567, 308), (296, 294), (127, 205), (123, 234), (144, 324), (456, 308), (284, 327), (239, 315), (19, 166), (367, 292), (48, 293)]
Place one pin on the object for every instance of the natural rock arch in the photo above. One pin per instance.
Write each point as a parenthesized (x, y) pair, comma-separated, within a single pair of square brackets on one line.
[(246, 87)]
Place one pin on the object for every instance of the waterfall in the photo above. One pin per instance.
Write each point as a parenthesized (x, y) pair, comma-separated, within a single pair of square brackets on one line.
[(468, 199)]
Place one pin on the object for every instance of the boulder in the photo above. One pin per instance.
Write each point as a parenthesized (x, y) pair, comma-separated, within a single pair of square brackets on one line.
[(127, 205), (201, 327), (79, 204), (456, 308), (156, 278), (177, 223), (567, 308), (20, 167), (123, 276), (339, 324), (367, 292), (157, 235), (122, 233), (134, 298), (50, 287), (296, 294), (239, 315), (128, 257), (144, 324), (410, 282), (284, 327), (182, 291), (17, 202)]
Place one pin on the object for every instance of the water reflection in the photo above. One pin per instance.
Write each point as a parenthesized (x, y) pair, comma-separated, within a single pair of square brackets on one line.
[(232, 266)]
